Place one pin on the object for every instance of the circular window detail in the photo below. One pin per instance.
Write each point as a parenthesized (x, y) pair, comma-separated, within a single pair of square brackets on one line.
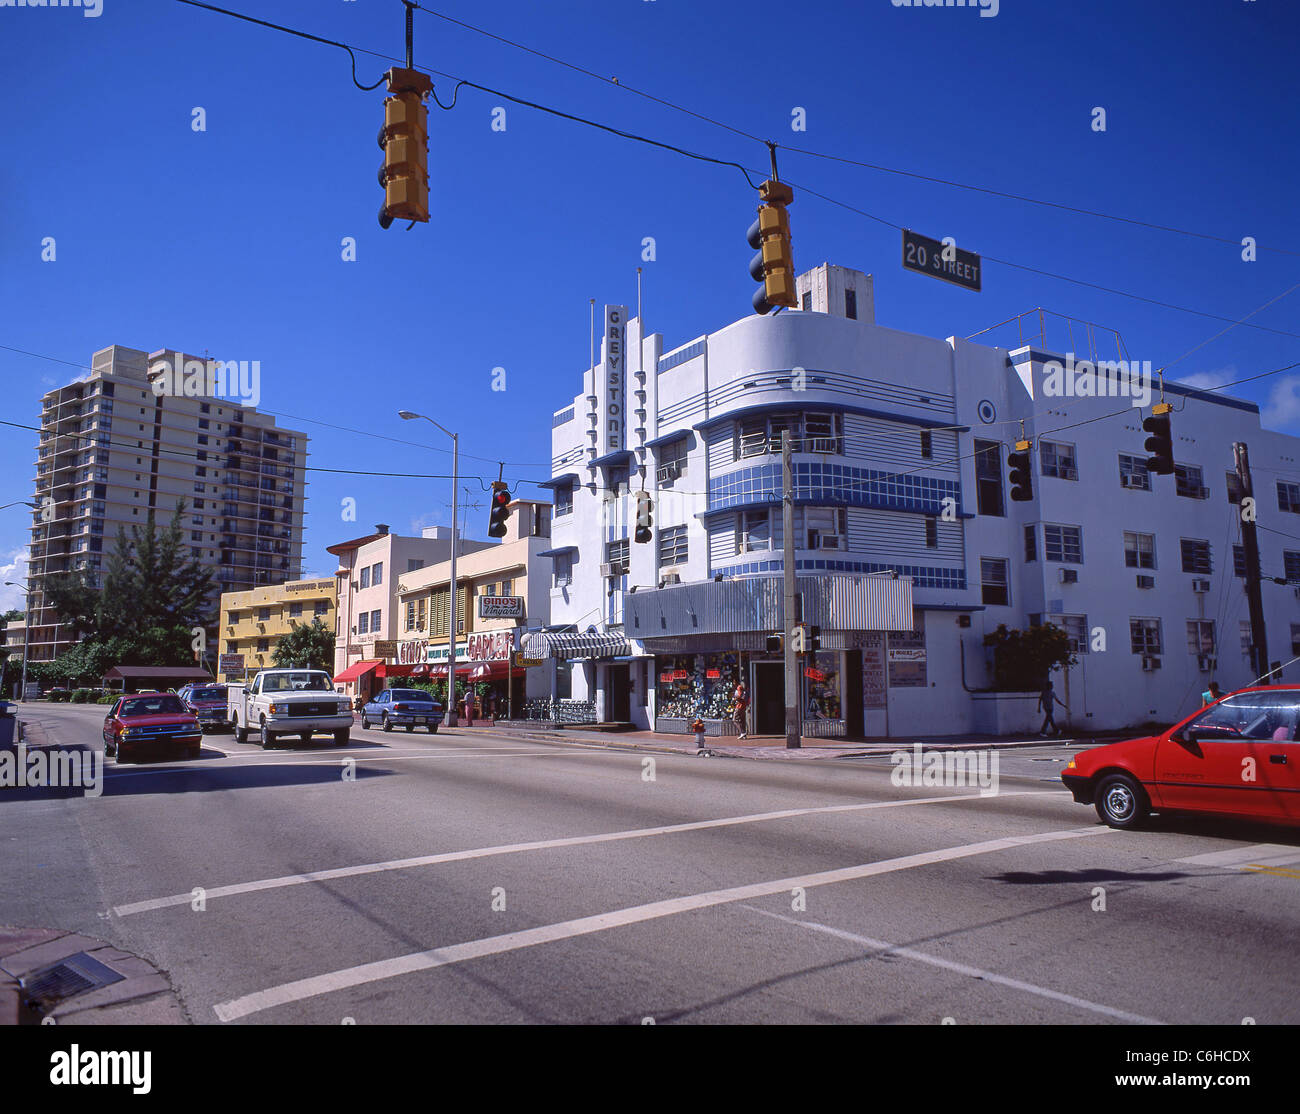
[(987, 411)]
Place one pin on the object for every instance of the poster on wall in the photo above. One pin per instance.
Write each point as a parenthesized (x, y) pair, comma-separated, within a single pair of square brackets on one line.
[(907, 658), (873, 671)]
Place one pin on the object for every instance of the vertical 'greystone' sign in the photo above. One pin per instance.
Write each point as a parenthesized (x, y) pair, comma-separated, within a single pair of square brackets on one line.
[(613, 393)]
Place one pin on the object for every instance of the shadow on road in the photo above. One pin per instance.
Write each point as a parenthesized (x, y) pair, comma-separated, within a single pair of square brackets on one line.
[(1057, 877)]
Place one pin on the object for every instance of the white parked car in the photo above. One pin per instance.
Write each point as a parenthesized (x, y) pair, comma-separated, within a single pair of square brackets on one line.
[(281, 702)]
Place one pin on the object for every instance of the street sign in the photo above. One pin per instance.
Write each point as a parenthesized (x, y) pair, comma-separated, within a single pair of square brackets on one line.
[(941, 260), (231, 663), (385, 648), (527, 663)]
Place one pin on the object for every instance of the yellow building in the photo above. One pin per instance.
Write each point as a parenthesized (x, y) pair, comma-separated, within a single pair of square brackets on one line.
[(251, 621)]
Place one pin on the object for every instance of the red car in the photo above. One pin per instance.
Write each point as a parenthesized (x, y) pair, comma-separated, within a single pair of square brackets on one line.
[(158, 723), (1238, 757)]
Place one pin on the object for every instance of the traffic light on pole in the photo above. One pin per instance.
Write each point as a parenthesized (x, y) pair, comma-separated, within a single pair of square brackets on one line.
[(404, 138), (773, 266), (500, 510), (1021, 473), (644, 521), (1161, 442)]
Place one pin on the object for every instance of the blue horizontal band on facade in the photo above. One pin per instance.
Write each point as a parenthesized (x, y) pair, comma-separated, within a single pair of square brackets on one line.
[(1035, 355), (833, 484), (800, 401), (561, 480), (663, 439), (671, 360), (922, 576), (618, 456)]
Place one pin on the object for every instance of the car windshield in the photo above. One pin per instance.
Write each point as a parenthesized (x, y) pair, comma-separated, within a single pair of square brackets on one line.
[(412, 695), (162, 704), (297, 682), (1251, 715), (212, 692)]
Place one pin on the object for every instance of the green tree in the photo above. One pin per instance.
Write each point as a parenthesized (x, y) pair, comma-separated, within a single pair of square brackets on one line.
[(1023, 660), (309, 646), (12, 615)]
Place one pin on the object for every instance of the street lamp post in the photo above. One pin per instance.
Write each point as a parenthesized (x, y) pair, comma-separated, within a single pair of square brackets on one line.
[(27, 632), (408, 415)]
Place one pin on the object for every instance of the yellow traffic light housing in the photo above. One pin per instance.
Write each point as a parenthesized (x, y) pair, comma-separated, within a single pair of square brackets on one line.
[(773, 265), (405, 140)]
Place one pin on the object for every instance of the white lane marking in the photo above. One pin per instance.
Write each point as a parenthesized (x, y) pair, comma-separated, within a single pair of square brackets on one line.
[(883, 948), (537, 845), (301, 989), (1263, 854)]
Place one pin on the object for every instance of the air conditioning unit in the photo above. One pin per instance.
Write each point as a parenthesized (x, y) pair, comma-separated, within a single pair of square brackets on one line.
[(670, 576), (1146, 581), (668, 472), (830, 541), (607, 569), (1069, 576), (1150, 664), (1200, 585), (1205, 663), (1203, 493)]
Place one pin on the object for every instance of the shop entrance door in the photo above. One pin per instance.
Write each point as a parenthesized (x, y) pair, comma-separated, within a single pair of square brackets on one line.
[(768, 694), (618, 693)]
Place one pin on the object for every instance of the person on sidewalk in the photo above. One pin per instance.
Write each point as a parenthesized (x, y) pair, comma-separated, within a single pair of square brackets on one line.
[(740, 702), (469, 708), (1211, 694), (1047, 701)]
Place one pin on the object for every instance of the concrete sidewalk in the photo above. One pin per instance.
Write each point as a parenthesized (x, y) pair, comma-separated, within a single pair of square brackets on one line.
[(760, 747)]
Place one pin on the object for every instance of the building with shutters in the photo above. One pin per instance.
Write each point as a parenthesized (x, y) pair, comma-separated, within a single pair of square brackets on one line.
[(908, 549)]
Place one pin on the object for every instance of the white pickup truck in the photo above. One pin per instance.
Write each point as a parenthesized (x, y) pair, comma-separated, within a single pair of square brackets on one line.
[(280, 702)]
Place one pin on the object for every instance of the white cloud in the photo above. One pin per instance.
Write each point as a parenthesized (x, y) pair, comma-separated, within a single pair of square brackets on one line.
[(1283, 406), (14, 568), (1208, 380)]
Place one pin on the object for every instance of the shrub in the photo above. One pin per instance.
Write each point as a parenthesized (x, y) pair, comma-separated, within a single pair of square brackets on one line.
[(107, 698), (58, 696), (81, 696)]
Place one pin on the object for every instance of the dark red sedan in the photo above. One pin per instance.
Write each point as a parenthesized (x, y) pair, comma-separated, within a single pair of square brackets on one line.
[(156, 724), (1238, 757)]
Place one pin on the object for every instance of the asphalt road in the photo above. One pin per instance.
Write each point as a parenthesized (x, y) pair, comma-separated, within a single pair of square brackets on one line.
[(474, 877)]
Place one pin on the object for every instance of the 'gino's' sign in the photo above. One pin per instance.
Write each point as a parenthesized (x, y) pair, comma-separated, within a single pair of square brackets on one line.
[(613, 379)]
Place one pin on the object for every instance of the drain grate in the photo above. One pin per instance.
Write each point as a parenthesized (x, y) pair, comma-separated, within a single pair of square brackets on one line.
[(74, 974)]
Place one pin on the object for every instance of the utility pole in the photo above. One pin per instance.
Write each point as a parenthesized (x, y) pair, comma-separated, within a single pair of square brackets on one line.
[(793, 728), (1250, 542)]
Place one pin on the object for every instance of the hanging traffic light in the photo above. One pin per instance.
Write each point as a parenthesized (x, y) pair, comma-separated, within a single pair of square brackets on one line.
[(773, 266), (644, 521), (1161, 442), (500, 510), (404, 138), (1021, 472)]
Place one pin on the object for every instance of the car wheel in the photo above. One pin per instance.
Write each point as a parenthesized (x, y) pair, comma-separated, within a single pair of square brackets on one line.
[(433, 729), (1121, 802), (241, 736), (387, 726), (365, 723), (341, 738), (120, 757), (410, 727), (267, 739), (195, 751)]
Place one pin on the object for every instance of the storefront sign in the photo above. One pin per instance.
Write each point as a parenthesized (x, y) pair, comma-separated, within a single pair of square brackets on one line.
[(873, 672), (500, 607), (412, 653), (527, 663), (494, 646), (612, 393), (385, 648), (713, 674), (907, 657), (680, 675), (231, 663), (814, 674)]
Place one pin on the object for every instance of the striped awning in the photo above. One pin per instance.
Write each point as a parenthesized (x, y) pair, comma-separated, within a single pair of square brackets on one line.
[(568, 645)]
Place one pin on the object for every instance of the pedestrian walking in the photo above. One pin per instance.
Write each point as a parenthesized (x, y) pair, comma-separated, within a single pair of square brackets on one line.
[(1211, 694), (740, 702), (1047, 701), (469, 708)]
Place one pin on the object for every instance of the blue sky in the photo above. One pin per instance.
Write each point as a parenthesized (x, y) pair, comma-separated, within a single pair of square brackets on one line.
[(228, 240)]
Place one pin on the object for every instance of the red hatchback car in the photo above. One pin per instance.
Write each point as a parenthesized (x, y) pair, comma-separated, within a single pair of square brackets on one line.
[(1237, 757), (158, 723)]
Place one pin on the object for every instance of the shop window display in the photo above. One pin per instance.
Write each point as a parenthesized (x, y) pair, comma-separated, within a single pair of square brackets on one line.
[(721, 673), (822, 679), (681, 688)]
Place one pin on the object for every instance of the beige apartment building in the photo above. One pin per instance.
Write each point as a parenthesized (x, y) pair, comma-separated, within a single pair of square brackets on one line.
[(252, 620), (135, 435)]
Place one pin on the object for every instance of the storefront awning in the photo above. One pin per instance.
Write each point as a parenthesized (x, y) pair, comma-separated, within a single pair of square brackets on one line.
[(386, 670), (558, 550), (493, 671), (355, 672), (571, 644)]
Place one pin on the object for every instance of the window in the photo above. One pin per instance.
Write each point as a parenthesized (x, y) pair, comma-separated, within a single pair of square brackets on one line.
[(562, 568), (805, 302), (1233, 485), (377, 574), (1188, 482), (363, 622), (1288, 497), (364, 580), (232, 617), (541, 521), (1056, 458), (931, 533), (672, 546), (927, 445), (1295, 640), (824, 527), (1063, 543), (1239, 560), (420, 612), (809, 433), (320, 607), (1245, 638), (1200, 636), (1133, 472), (851, 304), (375, 621), (1139, 550), (263, 645), (672, 459), (295, 610), (410, 614), (1031, 543), (1076, 629), (618, 481), (754, 532), (564, 500), (616, 553), (988, 478), (1144, 636), (993, 581), (1291, 563), (1196, 556), (263, 614)]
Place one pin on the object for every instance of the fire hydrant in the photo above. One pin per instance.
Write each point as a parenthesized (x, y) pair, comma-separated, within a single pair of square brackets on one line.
[(698, 728)]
